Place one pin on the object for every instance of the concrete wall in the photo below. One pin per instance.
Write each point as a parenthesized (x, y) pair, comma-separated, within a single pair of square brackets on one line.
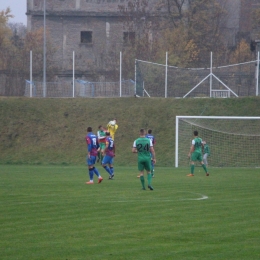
[(79, 5), (65, 33), (65, 19)]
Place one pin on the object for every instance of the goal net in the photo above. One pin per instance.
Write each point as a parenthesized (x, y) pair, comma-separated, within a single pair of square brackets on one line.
[(233, 141)]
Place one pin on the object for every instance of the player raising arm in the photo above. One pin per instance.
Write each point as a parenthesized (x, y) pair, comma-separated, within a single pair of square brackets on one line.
[(112, 127)]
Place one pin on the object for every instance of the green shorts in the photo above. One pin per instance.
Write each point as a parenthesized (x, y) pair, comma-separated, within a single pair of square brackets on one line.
[(144, 164), (102, 146), (196, 156)]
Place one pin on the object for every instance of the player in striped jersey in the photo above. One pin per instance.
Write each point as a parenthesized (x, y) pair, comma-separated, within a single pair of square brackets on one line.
[(93, 148), (109, 154)]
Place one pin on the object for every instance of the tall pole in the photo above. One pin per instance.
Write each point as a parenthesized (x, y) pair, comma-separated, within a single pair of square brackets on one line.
[(211, 62), (166, 74), (257, 75), (120, 77), (44, 48), (31, 74), (135, 77), (73, 76)]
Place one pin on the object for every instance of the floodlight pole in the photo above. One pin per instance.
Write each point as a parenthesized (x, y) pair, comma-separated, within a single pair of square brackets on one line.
[(31, 74), (73, 75), (120, 76), (44, 48), (210, 79), (135, 77), (257, 75), (166, 74)]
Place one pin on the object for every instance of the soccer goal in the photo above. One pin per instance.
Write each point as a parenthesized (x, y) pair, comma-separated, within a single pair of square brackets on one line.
[(233, 141)]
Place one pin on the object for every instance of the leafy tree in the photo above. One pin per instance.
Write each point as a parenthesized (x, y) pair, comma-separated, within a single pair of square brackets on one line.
[(242, 53), (188, 30), (5, 34)]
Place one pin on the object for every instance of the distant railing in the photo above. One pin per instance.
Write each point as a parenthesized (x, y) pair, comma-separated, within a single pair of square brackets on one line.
[(81, 88)]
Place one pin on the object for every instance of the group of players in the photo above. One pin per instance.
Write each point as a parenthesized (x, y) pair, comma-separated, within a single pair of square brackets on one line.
[(102, 147)]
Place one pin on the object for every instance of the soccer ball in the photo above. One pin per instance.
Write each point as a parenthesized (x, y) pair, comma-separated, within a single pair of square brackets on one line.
[(113, 122)]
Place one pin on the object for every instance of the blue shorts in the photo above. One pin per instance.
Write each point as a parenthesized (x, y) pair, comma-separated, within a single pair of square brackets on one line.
[(91, 160), (108, 160)]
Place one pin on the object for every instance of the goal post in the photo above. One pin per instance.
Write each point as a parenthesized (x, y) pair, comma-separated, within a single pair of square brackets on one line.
[(234, 141)]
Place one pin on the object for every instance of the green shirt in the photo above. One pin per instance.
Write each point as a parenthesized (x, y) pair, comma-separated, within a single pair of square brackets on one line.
[(206, 149), (143, 144), (197, 142), (101, 136)]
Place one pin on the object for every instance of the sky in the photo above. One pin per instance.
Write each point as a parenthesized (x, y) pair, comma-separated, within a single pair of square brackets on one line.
[(18, 8)]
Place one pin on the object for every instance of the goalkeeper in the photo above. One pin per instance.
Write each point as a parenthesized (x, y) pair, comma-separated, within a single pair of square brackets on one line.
[(112, 127), (206, 152)]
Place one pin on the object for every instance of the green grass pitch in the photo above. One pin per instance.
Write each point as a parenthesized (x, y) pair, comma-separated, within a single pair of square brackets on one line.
[(48, 212)]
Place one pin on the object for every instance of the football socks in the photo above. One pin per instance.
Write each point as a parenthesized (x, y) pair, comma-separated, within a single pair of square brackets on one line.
[(142, 181), (192, 167), (205, 168), (107, 169), (149, 178)]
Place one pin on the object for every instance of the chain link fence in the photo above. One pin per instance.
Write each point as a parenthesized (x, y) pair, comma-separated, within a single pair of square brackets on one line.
[(80, 88), (159, 80)]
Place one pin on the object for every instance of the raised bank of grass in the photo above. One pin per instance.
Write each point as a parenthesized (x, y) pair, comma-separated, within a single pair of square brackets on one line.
[(52, 131)]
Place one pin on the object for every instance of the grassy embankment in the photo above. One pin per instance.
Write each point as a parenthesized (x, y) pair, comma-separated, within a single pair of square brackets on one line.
[(52, 131)]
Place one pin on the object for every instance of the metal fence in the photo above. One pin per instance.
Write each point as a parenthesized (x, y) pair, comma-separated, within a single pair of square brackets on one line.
[(161, 80), (80, 88)]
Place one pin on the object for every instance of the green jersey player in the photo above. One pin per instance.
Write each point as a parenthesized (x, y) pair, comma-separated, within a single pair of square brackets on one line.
[(206, 152), (144, 148), (101, 134), (195, 154)]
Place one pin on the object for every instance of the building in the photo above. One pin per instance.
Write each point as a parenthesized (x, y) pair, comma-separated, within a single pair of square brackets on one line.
[(95, 28)]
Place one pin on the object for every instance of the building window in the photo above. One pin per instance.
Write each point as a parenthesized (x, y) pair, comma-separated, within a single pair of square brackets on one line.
[(129, 37), (86, 37)]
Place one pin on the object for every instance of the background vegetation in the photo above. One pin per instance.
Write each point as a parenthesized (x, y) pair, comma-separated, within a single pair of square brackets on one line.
[(187, 30), (52, 131)]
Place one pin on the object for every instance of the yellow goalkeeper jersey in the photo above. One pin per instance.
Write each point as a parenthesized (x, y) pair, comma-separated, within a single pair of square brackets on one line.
[(112, 129)]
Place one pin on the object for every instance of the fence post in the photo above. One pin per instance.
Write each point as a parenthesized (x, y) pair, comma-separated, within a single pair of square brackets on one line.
[(73, 75), (257, 75), (31, 74), (135, 77), (44, 48), (120, 76), (166, 74), (210, 79)]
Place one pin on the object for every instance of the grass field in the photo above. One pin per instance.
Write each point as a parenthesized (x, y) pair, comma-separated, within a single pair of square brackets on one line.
[(47, 212)]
